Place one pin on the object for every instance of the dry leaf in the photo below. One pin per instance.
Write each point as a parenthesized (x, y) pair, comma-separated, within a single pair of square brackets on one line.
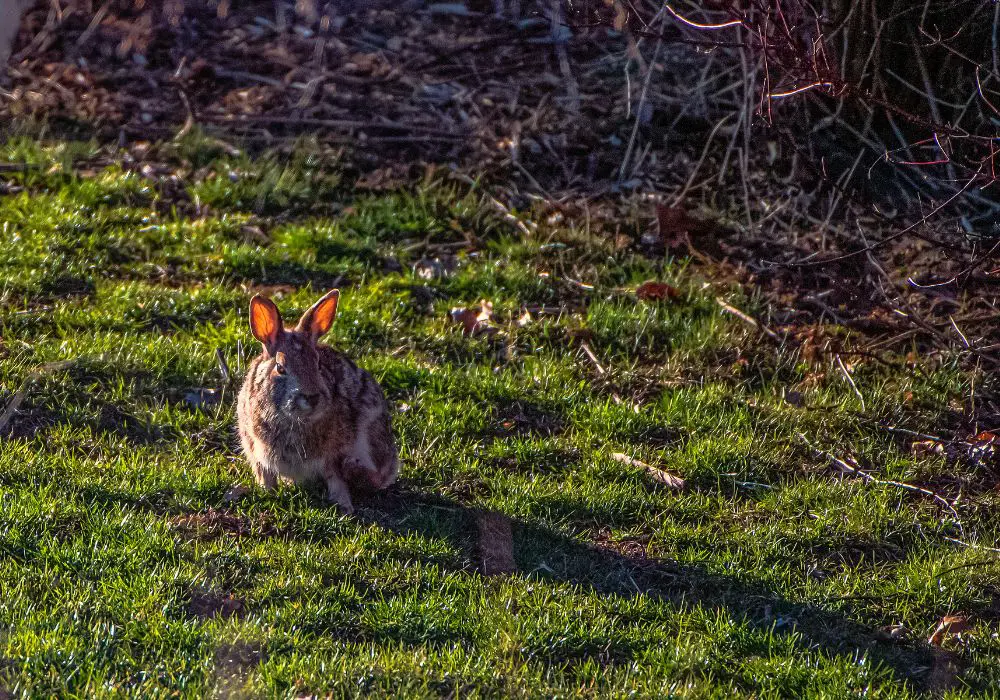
[(475, 320), (658, 475), (525, 319), (892, 633), (681, 233), (651, 290), (949, 625), (235, 493), (673, 225), (987, 437), (495, 544)]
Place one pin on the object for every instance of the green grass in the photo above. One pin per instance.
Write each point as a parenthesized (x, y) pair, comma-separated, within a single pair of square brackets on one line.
[(124, 570)]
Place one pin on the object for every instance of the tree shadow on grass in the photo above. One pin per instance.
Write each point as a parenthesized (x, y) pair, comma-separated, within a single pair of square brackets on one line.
[(624, 571), (82, 400), (615, 570)]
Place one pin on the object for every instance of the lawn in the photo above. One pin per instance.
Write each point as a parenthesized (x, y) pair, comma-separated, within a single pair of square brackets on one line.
[(138, 558)]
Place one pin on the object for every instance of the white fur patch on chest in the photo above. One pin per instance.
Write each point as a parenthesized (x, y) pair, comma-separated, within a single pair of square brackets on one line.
[(292, 466)]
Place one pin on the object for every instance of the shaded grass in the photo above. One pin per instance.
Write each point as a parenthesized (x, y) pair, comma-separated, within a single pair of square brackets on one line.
[(125, 570)]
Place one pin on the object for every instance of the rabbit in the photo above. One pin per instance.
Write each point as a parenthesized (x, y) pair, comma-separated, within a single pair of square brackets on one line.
[(307, 412)]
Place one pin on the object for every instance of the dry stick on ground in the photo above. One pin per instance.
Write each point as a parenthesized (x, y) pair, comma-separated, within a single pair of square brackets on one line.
[(600, 370), (852, 469), (972, 545), (188, 121), (747, 318), (850, 380), (922, 436), (12, 406), (95, 22), (910, 313), (660, 476), (562, 55), (526, 227), (593, 358)]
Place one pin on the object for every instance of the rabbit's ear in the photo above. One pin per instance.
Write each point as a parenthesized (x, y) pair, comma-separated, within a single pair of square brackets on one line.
[(318, 319), (265, 321)]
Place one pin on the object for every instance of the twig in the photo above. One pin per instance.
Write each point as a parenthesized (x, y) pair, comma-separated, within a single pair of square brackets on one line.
[(971, 545), (850, 380), (851, 469), (94, 24), (923, 436), (12, 406), (334, 124), (562, 55), (526, 227), (593, 358), (704, 152), (746, 318), (188, 121)]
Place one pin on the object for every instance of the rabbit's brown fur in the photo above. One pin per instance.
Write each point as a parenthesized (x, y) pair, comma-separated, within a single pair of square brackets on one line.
[(308, 412)]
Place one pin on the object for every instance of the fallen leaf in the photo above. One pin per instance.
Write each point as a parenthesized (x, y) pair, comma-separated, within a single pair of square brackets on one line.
[(235, 493), (651, 290), (673, 225), (525, 319), (475, 320), (495, 544), (949, 625), (987, 437), (892, 633), (658, 475)]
